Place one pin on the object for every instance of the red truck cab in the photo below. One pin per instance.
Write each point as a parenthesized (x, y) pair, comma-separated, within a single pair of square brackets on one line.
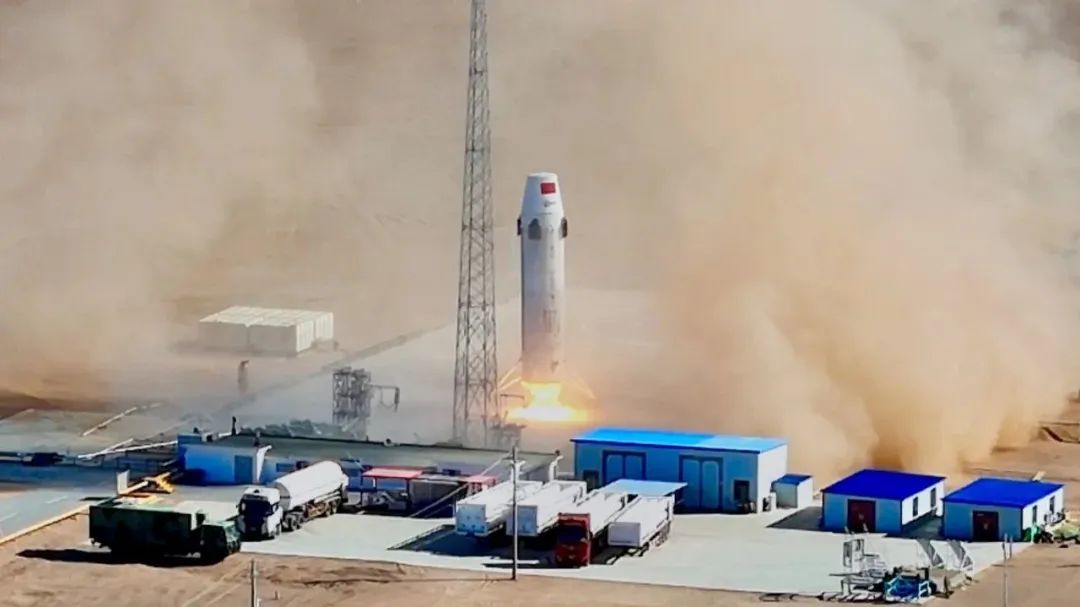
[(573, 540)]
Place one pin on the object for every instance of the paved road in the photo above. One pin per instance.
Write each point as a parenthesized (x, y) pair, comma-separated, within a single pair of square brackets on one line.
[(19, 511), (43, 493)]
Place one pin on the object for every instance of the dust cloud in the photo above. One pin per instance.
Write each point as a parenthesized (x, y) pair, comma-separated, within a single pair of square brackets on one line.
[(851, 214), (164, 159), (868, 212)]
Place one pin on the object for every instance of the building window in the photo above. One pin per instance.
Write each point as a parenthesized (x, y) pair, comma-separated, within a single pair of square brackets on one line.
[(933, 498), (915, 506), (1035, 514), (1052, 503)]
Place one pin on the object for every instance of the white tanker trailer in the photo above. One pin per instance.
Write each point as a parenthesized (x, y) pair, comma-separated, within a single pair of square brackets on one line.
[(292, 500)]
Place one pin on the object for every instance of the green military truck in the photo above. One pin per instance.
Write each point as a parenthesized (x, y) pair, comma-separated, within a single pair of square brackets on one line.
[(139, 529)]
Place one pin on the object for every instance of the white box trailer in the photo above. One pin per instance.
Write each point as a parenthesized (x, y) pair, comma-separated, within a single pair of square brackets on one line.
[(482, 514), (540, 511), (646, 520), (601, 507)]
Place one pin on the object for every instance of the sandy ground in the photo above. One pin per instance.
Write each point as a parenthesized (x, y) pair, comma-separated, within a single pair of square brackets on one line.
[(54, 566)]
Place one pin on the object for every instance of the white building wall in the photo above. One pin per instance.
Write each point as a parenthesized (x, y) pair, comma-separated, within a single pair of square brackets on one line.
[(771, 466), (927, 506), (1039, 513)]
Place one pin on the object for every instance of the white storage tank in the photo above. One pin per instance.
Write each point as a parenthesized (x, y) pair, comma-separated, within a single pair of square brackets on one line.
[(309, 483)]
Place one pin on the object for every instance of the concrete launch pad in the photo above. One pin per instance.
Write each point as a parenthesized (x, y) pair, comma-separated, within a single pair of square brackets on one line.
[(424, 369)]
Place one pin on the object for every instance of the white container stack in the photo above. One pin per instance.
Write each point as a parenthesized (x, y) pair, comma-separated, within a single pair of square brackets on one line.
[(540, 511), (641, 521), (265, 330), (483, 513)]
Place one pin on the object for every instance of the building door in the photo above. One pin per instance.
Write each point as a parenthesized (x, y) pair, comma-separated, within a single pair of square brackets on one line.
[(243, 469), (711, 480), (614, 467), (861, 516), (741, 492), (691, 475), (634, 467), (984, 526)]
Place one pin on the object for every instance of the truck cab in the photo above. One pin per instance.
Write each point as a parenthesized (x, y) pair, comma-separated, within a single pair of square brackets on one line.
[(259, 513), (219, 540), (573, 540)]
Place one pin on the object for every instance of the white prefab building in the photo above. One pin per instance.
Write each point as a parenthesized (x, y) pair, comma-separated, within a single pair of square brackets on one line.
[(720, 473), (794, 491), (265, 330), (880, 501), (993, 509)]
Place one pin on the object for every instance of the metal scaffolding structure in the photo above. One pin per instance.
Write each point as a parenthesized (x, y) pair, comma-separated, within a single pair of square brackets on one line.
[(353, 397), (475, 368)]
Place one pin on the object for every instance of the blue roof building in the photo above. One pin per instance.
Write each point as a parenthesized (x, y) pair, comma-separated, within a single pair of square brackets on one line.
[(794, 490), (992, 509), (721, 473), (880, 501)]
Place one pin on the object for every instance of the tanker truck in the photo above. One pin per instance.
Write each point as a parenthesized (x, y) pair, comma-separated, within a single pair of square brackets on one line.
[(292, 500)]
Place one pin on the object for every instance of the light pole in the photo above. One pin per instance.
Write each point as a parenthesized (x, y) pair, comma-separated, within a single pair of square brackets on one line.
[(513, 475)]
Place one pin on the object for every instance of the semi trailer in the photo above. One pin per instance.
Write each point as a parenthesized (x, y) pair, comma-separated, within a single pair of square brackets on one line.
[(540, 511), (580, 531), (292, 500), (484, 513), (130, 527), (645, 522)]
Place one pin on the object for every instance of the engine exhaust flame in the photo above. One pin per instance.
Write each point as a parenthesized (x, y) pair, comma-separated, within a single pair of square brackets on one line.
[(543, 405)]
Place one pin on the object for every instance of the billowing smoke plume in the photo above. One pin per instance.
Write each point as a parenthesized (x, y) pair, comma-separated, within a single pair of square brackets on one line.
[(851, 213), (164, 159), (867, 213)]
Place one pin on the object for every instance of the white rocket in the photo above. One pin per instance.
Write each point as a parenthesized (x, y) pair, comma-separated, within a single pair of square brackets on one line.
[(542, 229)]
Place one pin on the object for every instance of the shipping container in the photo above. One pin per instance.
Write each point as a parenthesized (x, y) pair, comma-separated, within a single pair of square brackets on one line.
[(645, 519), (486, 512), (540, 511)]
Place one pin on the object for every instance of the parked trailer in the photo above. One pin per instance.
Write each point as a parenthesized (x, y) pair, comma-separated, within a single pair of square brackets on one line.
[(482, 514), (644, 523), (579, 532), (317, 490), (540, 511)]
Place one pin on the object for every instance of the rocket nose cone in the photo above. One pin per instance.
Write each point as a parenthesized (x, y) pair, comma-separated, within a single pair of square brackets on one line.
[(541, 193)]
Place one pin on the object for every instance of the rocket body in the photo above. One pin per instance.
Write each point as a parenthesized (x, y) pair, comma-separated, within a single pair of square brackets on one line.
[(542, 229)]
